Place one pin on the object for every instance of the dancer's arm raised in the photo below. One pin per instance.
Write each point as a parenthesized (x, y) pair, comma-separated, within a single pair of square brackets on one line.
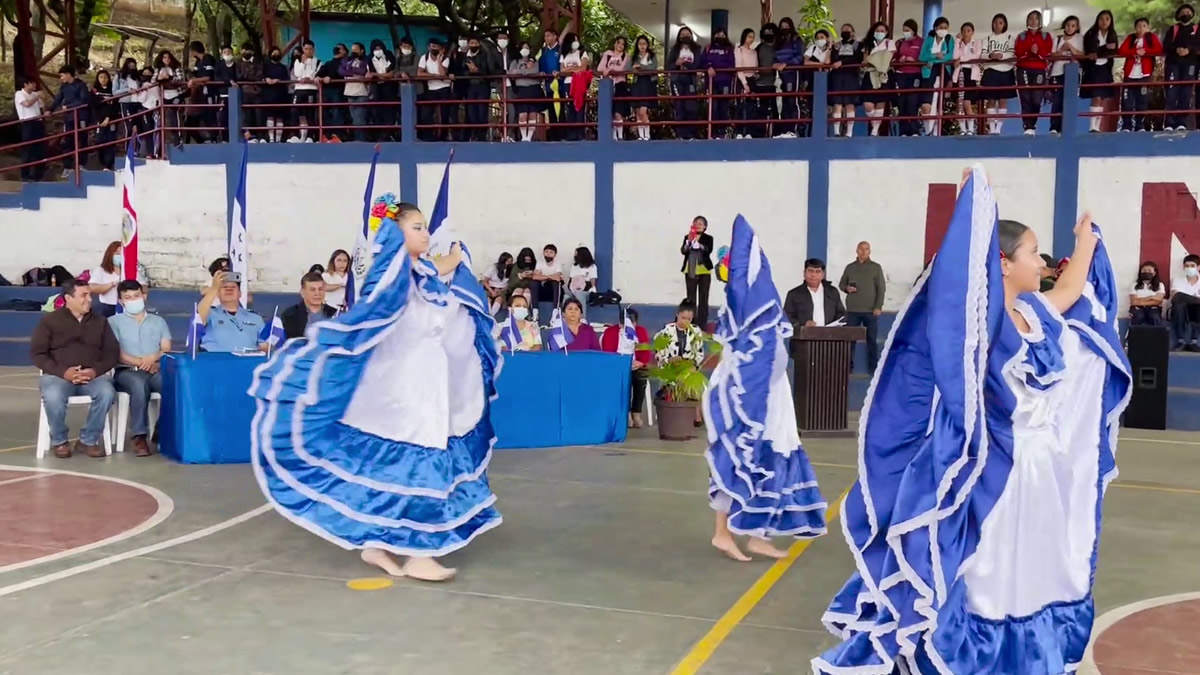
[(1069, 286)]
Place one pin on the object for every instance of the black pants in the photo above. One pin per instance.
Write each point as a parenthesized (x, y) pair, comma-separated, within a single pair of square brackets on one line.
[(765, 106), (686, 109), (1031, 99), (1185, 314), (75, 139), (432, 112), (720, 110), (33, 130), (1145, 316), (1179, 96), (790, 103), (637, 390), (107, 152), (871, 323), (910, 103), (1056, 103), (1136, 100), (477, 113), (698, 286)]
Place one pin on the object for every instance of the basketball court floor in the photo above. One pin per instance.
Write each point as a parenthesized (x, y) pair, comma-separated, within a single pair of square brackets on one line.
[(602, 566)]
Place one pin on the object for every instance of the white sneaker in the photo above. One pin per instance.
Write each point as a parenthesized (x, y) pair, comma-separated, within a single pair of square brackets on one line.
[(1053, 132), (1181, 128), (308, 140), (294, 139), (1029, 132)]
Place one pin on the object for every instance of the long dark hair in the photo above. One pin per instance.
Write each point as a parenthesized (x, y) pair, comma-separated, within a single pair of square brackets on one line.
[(333, 257), (1154, 282), (870, 42), (564, 47), (911, 24), (1112, 26), (583, 257), (160, 61), (522, 255), (129, 68), (504, 265)]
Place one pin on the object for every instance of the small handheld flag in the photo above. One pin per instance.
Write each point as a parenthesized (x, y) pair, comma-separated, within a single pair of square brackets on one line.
[(627, 342), (196, 330), (272, 333), (510, 334), (442, 238), (560, 336)]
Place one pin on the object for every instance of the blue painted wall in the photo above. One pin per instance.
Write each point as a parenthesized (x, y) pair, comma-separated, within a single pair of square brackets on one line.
[(325, 34)]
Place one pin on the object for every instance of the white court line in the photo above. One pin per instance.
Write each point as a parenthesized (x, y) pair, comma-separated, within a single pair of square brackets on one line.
[(1107, 620), (8, 375), (11, 386), (119, 557), (165, 506), (22, 479)]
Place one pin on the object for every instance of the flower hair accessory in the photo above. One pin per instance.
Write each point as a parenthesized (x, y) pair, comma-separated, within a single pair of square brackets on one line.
[(1002, 256), (385, 206)]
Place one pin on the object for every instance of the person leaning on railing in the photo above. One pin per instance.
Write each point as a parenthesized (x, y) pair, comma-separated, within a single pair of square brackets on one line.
[(878, 49), (1140, 50), (406, 72), (224, 77), (1067, 47), (106, 111), (354, 70), (247, 72), (789, 55), (333, 94), (937, 53), (478, 67), (385, 91), (29, 99), (763, 84), (614, 64), (574, 61), (719, 61), (126, 84), (73, 96), (1033, 48), (201, 94), (433, 69), (168, 75), (150, 98), (907, 73), (683, 61), (1181, 47)]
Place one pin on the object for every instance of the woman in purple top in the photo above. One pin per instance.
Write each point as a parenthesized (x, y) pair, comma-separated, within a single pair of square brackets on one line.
[(584, 337), (907, 66), (719, 62)]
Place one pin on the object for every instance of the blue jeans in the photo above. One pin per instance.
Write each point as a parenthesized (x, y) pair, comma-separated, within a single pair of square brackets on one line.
[(139, 385), (1179, 96), (358, 117), (56, 391)]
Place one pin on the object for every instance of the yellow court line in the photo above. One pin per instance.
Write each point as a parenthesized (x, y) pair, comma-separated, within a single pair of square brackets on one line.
[(1155, 488), (704, 649), (17, 447)]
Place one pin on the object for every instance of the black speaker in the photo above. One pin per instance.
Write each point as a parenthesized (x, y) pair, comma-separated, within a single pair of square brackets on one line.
[(1149, 356)]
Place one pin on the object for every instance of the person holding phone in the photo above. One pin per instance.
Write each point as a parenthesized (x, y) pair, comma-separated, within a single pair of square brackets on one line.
[(697, 267)]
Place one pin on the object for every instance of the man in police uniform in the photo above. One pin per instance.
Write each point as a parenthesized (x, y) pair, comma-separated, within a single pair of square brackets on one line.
[(229, 327)]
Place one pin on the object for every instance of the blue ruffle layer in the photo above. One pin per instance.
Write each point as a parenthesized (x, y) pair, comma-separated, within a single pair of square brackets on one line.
[(782, 501)]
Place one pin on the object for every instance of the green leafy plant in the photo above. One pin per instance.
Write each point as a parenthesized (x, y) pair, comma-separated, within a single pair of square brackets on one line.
[(815, 15), (681, 379)]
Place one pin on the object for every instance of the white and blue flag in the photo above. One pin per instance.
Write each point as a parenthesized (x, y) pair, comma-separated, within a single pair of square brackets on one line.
[(627, 342), (510, 333), (196, 330), (239, 255)]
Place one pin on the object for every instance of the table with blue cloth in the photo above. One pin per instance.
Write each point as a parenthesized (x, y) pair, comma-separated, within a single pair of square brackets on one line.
[(546, 399)]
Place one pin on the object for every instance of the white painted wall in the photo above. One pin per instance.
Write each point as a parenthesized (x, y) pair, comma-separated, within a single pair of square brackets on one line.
[(504, 207), (654, 204), (884, 202)]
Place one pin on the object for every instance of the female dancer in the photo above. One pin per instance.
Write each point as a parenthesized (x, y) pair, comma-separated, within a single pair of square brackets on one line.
[(984, 454), (760, 481), (372, 431)]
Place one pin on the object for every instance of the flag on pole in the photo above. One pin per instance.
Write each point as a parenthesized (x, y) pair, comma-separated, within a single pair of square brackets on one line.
[(441, 239), (358, 261), (510, 334), (196, 330), (129, 216), (272, 333), (627, 340), (560, 336), (239, 256)]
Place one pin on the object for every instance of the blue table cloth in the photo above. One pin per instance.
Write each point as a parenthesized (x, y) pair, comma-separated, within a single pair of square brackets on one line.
[(546, 400)]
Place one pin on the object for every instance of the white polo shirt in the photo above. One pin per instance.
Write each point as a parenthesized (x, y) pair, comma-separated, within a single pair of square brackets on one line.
[(28, 112), (430, 66), (1182, 284)]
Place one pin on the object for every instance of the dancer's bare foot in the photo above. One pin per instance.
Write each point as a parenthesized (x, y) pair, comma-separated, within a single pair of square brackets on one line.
[(381, 559), (428, 569), (764, 547), (725, 544)]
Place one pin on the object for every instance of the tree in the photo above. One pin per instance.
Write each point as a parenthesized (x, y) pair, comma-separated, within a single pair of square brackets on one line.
[(815, 15), (1161, 13)]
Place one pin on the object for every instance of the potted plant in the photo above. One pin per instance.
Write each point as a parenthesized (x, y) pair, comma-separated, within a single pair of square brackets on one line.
[(681, 384)]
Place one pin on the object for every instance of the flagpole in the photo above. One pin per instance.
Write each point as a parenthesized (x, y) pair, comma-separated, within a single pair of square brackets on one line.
[(192, 328), (270, 341)]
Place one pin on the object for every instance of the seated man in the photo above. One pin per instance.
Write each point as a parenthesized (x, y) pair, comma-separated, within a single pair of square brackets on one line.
[(817, 302), (547, 279), (228, 327), (1185, 305), (144, 338), (75, 350), (312, 307)]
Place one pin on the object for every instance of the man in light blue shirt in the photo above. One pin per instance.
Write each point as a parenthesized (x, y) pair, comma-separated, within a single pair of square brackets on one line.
[(143, 338), (228, 326)]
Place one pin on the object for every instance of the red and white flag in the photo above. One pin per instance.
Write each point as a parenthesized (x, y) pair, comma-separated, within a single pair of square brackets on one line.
[(129, 217)]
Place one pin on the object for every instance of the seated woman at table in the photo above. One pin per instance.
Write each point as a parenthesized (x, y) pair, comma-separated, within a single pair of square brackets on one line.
[(685, 340), (615, 339), (518, 334), (571, 333), (373, 430)]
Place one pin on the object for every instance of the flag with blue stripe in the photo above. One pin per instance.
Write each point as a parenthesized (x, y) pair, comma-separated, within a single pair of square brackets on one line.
[(239, 256), (627, 341), (272, 333), (560, 336), (358, 260), (196, 330), (441, 239), (510, 334)]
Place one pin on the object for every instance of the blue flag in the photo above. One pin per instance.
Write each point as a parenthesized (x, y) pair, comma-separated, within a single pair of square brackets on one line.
[(239, 254), (196, 331), (510, 334), (358, 261), (441, 207)]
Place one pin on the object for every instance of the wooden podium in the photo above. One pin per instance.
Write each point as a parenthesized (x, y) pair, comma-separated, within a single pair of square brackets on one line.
[(822, 357)]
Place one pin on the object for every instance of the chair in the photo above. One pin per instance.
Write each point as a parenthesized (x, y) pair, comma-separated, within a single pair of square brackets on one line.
[(43, 437), (649, 404), (120, 412)]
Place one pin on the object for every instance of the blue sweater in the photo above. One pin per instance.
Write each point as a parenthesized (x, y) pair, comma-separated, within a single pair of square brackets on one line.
[(73, 94)]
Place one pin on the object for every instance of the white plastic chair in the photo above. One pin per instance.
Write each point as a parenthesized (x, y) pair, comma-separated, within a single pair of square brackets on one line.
[(43, 437), (120, 412), (649, 404)]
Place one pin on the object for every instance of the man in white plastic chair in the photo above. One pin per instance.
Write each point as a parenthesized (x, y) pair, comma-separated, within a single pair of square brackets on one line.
[(143, 338)]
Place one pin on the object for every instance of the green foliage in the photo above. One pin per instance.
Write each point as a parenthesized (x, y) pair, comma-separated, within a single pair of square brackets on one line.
[(1161, 13), (602, 25), (681, 379), (815, 15)]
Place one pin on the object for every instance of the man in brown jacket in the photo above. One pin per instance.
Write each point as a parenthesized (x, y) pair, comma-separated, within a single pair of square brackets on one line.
[(76, 351)]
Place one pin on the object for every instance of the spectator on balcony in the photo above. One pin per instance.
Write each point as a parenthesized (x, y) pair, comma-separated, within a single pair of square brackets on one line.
[(683, 62), (143, 338), (502, 57), (73, 97), (478, 67), (937, 54), (645, 84), (614, 64), (745, 59), (335, 276), (150, 99), (967, 51), (582, 278), (106, 111), (1140, 50), (573, 60), (354, 70), (548, 64), (906, 66), (999, 79), (1185, 305), (248, 71), (1100, 44), (333, 92), (697, 268), (125, 86), (527, 88), (275, 95), (817, 56), (844, 79), (406, 73), (434, 69), (1032, 49), (1181, 45), (168, 73), (1067, 47), (304, 73), (200, 115), (764, 89), (1146, 298), (224, 77), (610, 341), (878, 50), (789, 55), (385, 91), (29, 99)]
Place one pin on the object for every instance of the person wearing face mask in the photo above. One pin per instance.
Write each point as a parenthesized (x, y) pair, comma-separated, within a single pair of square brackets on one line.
[(1032, 48), (907, 72), (877, 53), (150, 98), (406, 72), (304, 73), (745, 59), (614, 64), (575, 64), (1100, 42), (518, 333), (201, 117), (1067, 47), (354, 69), (248, 70), (937, 55), (105, 110), (719, 62), (224, 77), (1181, 48), (683, 60), (521, 279), (333, 93), (817, 56), (478, 66), (1185, 305), (789, 56), (275, 95), (846, 59), (548, 59), (527, 88), (457, 112), (763, 86), (102, 280), (126, 86), (143, 339), (385, 90), (1140, 50), (432, 69), (1147, 296)]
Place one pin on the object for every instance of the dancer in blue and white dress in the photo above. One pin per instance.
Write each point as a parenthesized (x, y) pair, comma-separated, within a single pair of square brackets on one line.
[(760, 481), (987, 440), (372, 430)]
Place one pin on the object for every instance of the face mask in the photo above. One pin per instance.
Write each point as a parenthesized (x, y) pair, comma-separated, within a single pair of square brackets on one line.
[(549, 259), (118, 260), (276, 58), (135, 306), (502, 43), (473, 51), (247, 55), (942, 32), (1146, 276), (356, 55), (525, 52), (880, 36), (1185, 18), (519, 313), (908, 35), (575, 46), (227, 58), (1191, 271), (462, 44), (821, 42), (845, 36), (406, 50), (378, 53)]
